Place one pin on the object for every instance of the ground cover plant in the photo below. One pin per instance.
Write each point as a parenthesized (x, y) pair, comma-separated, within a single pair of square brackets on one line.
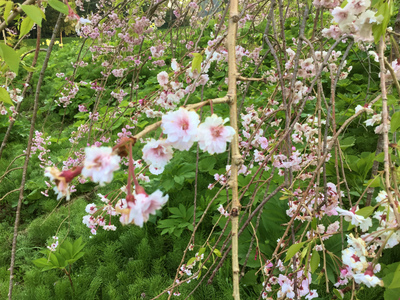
[(200, 149)]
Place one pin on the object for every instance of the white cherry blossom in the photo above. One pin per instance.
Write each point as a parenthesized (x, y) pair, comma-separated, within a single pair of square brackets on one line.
[(100, 163), (213, 135)]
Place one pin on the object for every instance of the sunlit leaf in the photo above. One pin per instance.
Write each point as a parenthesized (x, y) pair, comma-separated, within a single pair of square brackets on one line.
[(34, 13), (293, 250), (5, 96), (26, 26), (315, 259), (7, 10), (196, 63), (59, 6), (10, 57)]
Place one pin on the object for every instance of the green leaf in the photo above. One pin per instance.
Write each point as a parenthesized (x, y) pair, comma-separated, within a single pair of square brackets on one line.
[(77, 246), (396, 279), (196, 63), (67, 246), (42, 263), (202, 250), (54, 260), (10, 57), (168, 184), (28, 68), (365, 211), (7, 10), (293, 250), (168, 230), (380, 157), (374, 3), (315, 259), (26, 26), (374, 182), (347, 142), (379, 30), (249, 279), (59, 6), (190, 261), (34, 13), (5, 96), (314, 223), (179, 179), (61, 260), (337, 293), (304, 252), (175, 211), (217, 253), (76, 257), (395, 122), (207, 164)]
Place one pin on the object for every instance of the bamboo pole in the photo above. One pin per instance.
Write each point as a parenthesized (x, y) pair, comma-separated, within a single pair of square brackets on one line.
[(236, 157)]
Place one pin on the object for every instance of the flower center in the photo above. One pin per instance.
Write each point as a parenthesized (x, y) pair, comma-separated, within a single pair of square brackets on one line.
[(185, 125), (159, 151), (355, 257), (217, 131)]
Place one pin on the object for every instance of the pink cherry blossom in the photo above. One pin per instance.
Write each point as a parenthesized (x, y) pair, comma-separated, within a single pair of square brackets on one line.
[(263, 142), (357, 6), (174, 64), (213, 135), (148, 205), (138, 211), (91, 208), (118, 72), (342, 16), (100, 163), (156, 200), (157, 154), (162, 78), (181, 128)]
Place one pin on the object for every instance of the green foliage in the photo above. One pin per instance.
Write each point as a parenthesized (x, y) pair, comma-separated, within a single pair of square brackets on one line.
[(5, 96), (196, 63), (179, 220), (59, 6), (385, 11), (293, 250), (136, 261), (10, 56), (34, 13), (65, 255)]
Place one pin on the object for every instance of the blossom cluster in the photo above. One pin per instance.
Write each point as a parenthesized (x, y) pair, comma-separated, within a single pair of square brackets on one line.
[(99, 165), (354, 18), (356, 265), (287, 283), (39, 144), (183, 128)]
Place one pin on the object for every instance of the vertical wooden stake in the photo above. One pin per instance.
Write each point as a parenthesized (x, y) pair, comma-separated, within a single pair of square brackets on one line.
[(236, 157)]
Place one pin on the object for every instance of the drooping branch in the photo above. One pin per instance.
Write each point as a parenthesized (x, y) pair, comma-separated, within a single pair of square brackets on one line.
[(28, 151), (385, 130)]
